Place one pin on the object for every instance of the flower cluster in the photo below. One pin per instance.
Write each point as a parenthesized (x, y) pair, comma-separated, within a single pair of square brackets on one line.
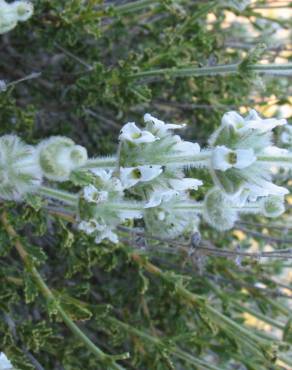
[(147, 180), (12, 13)]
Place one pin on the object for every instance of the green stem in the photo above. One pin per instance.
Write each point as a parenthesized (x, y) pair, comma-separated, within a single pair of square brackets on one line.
[(201, 364), (61, 195), (214, 70), (259, 315), (44, 289), (189, 206), (134, 6), (280, 160), (101, 162), (198, 160)]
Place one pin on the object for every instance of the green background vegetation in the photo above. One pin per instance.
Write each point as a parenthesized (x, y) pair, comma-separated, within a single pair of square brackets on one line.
[(136, 297)]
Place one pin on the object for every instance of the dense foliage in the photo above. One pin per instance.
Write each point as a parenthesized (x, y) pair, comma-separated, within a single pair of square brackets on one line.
[(80, 69)]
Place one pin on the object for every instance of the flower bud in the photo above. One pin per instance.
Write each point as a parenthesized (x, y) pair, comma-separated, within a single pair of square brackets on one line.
[(19, 169), (58, 156), (218, 210), (272, 206)]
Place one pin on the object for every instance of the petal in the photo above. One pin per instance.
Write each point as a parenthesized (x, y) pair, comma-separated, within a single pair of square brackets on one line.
[(219, 158), (92, 195), (185, 184), (130, 176), (149, 173), (245, 157), (232, 118), (5, 364), (102, 174), (159, 126), (275, 151), (254, 121), (186, 147), (265, 188), (159, 197), (130, 132), (107, 234)]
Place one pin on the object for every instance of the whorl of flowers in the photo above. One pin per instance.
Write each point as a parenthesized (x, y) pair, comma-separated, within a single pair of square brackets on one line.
[(19, 169), (12, 13), (147, 181), (58, 156)]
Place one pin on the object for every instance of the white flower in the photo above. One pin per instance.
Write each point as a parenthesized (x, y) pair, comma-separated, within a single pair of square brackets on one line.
[(185, 147), (92, 195), (3, 85), (130, 176), (224, 158), (5, 364), (102, 174), (20, 172), (251, 121), (130, 132), (161, 196), (11, 13), (107, 234), (91, 226), (262, 187), (185, 184), (8, 17), (23, 10), (159, 127)]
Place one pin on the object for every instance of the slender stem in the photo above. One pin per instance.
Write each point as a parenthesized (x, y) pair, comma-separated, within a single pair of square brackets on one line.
[(44, 289), (201, 159), (158, 342), (101, 162), (134, 6), (189, 206), (259, 315), (280, 160), (214, 70), (200, 301), (61, 195)]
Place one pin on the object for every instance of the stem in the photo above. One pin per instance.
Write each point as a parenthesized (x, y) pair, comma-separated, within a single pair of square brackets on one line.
[(101, 162), (199, 160), (134, 6), (189, 206), (61, 195), (44, 289), (281, 161), (259, 316), (197, 300), (214, 70), (158, 342)]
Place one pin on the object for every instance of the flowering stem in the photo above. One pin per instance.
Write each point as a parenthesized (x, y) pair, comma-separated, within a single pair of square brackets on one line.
[(197, 160), (45, 290), (278, 160), (101, 162), (134, 6), (61, 195), (214, 70), (189, 206)]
